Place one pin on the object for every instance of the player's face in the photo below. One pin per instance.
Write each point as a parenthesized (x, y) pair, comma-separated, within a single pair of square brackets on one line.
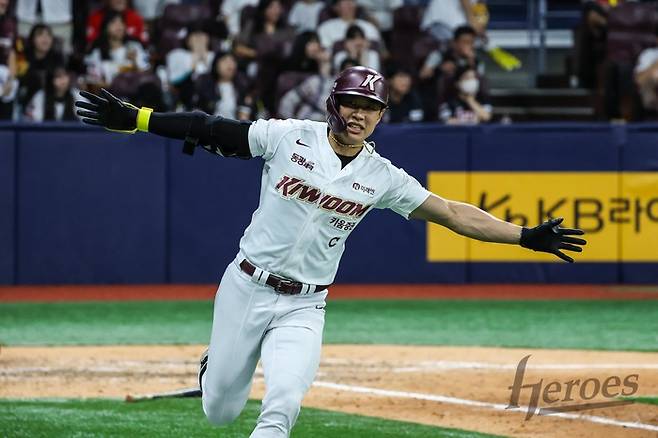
[(361, 114)]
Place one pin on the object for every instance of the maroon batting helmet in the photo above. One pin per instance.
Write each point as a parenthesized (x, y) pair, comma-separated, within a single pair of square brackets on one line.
[(356, 81)]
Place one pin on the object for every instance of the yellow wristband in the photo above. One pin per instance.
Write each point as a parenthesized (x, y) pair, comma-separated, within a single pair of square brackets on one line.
[(143, 116)]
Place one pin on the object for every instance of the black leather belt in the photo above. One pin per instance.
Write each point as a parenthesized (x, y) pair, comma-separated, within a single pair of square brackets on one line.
[(280, 284)]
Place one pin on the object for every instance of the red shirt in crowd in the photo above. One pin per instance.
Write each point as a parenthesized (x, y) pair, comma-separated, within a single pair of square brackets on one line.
[(134, 25)]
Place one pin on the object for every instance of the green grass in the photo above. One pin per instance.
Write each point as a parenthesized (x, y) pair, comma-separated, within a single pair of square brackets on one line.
[(644, 400), (604, 325), (184, 418)]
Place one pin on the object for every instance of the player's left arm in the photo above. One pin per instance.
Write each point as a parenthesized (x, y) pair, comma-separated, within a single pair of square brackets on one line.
[(470, 221), (218, 135)]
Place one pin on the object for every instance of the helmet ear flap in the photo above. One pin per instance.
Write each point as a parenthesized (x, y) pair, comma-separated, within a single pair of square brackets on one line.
[(334, 120)]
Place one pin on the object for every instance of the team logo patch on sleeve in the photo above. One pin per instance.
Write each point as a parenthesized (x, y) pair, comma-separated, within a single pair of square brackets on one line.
[(363, 189), (290, 187)]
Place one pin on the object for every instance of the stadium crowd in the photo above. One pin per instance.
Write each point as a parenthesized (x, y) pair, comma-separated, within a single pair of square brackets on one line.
[(247, 59), (236, 58)]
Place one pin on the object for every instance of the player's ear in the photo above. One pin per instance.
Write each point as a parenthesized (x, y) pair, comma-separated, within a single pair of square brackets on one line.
[(381, 114)]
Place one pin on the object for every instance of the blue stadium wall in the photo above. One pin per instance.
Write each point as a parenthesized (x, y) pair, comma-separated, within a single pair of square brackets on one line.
[(83, 206)]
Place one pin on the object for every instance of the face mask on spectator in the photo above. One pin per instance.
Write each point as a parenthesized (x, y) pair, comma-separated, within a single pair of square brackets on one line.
[(469, 86)]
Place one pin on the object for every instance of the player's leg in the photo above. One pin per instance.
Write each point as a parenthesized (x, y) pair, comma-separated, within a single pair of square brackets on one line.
[(290, 355), (241, 315)]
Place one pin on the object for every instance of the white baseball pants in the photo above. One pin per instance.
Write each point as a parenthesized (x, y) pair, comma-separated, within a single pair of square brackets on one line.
[(253, 321)]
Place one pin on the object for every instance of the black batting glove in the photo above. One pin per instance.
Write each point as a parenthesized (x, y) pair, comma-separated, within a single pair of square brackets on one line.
[(550, 237), (107, 111)]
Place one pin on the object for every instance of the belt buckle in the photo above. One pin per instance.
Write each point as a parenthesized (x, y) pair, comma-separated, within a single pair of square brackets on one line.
[(284, 283)]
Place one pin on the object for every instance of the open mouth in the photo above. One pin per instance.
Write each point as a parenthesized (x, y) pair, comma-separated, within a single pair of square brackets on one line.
[(355, 128)]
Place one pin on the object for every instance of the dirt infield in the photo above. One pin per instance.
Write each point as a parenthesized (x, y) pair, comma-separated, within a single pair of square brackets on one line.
[(465, 388), (339, 291)]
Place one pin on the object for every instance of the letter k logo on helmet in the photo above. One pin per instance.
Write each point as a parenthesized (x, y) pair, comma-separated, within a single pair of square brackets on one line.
[(370, 81)]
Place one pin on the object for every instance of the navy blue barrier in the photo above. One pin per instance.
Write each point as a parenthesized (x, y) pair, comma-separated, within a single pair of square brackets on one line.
[(90, 207), (7, 207), (94, 207)]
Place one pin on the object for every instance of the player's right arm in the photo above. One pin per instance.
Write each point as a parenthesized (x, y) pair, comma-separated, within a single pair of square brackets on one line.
[(471, 221), (226, 137)]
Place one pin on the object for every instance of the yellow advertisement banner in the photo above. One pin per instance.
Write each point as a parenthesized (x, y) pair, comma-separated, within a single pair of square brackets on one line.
[(618, 211)]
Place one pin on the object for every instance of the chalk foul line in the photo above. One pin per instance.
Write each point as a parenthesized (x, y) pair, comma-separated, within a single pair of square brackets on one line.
[(479, 404)]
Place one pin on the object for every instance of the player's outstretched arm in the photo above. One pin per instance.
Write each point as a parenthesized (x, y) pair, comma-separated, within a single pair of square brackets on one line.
[(470, 221), (218, 135)]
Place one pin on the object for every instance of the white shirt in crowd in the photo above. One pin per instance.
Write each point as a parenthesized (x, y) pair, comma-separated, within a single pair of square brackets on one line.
[(231, 10), (179, 65), (107, 69), (304, 15), (227, 105), (309, 205), (36, 109), (382, 11), (646, 59), (52, 11), (5, 81), (334, 30), (648, 93), (450, 13)]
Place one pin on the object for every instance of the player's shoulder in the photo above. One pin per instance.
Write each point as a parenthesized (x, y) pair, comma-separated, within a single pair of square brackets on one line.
[(375, 159), (383, 166)]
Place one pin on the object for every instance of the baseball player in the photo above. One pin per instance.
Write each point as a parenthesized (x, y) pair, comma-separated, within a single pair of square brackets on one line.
[(319, 180)]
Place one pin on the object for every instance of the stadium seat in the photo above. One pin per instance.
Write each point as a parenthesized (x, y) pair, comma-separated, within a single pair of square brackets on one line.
[(178, 16), (127, 85), (406, 22), (175, 19), (289, 80)]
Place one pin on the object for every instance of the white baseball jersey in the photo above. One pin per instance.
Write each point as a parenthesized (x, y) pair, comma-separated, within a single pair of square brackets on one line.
[(309, 205)]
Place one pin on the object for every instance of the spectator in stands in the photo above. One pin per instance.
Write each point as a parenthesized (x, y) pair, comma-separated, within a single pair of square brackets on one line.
[(55, 101), (308, 99), (380, 13), (7, 31), (57, 14), (356, 46), (8, 81), (222, 92), (334, 29), (133, 21), (185, 65), (468, 107), (307, 54), (590, 44), (404, 104), (8, 92), (304, 14), (264, 40), (39, 58), (232, 11), (442, 17), (646, 78), (436, 74), (461, 52), (114, 51)]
